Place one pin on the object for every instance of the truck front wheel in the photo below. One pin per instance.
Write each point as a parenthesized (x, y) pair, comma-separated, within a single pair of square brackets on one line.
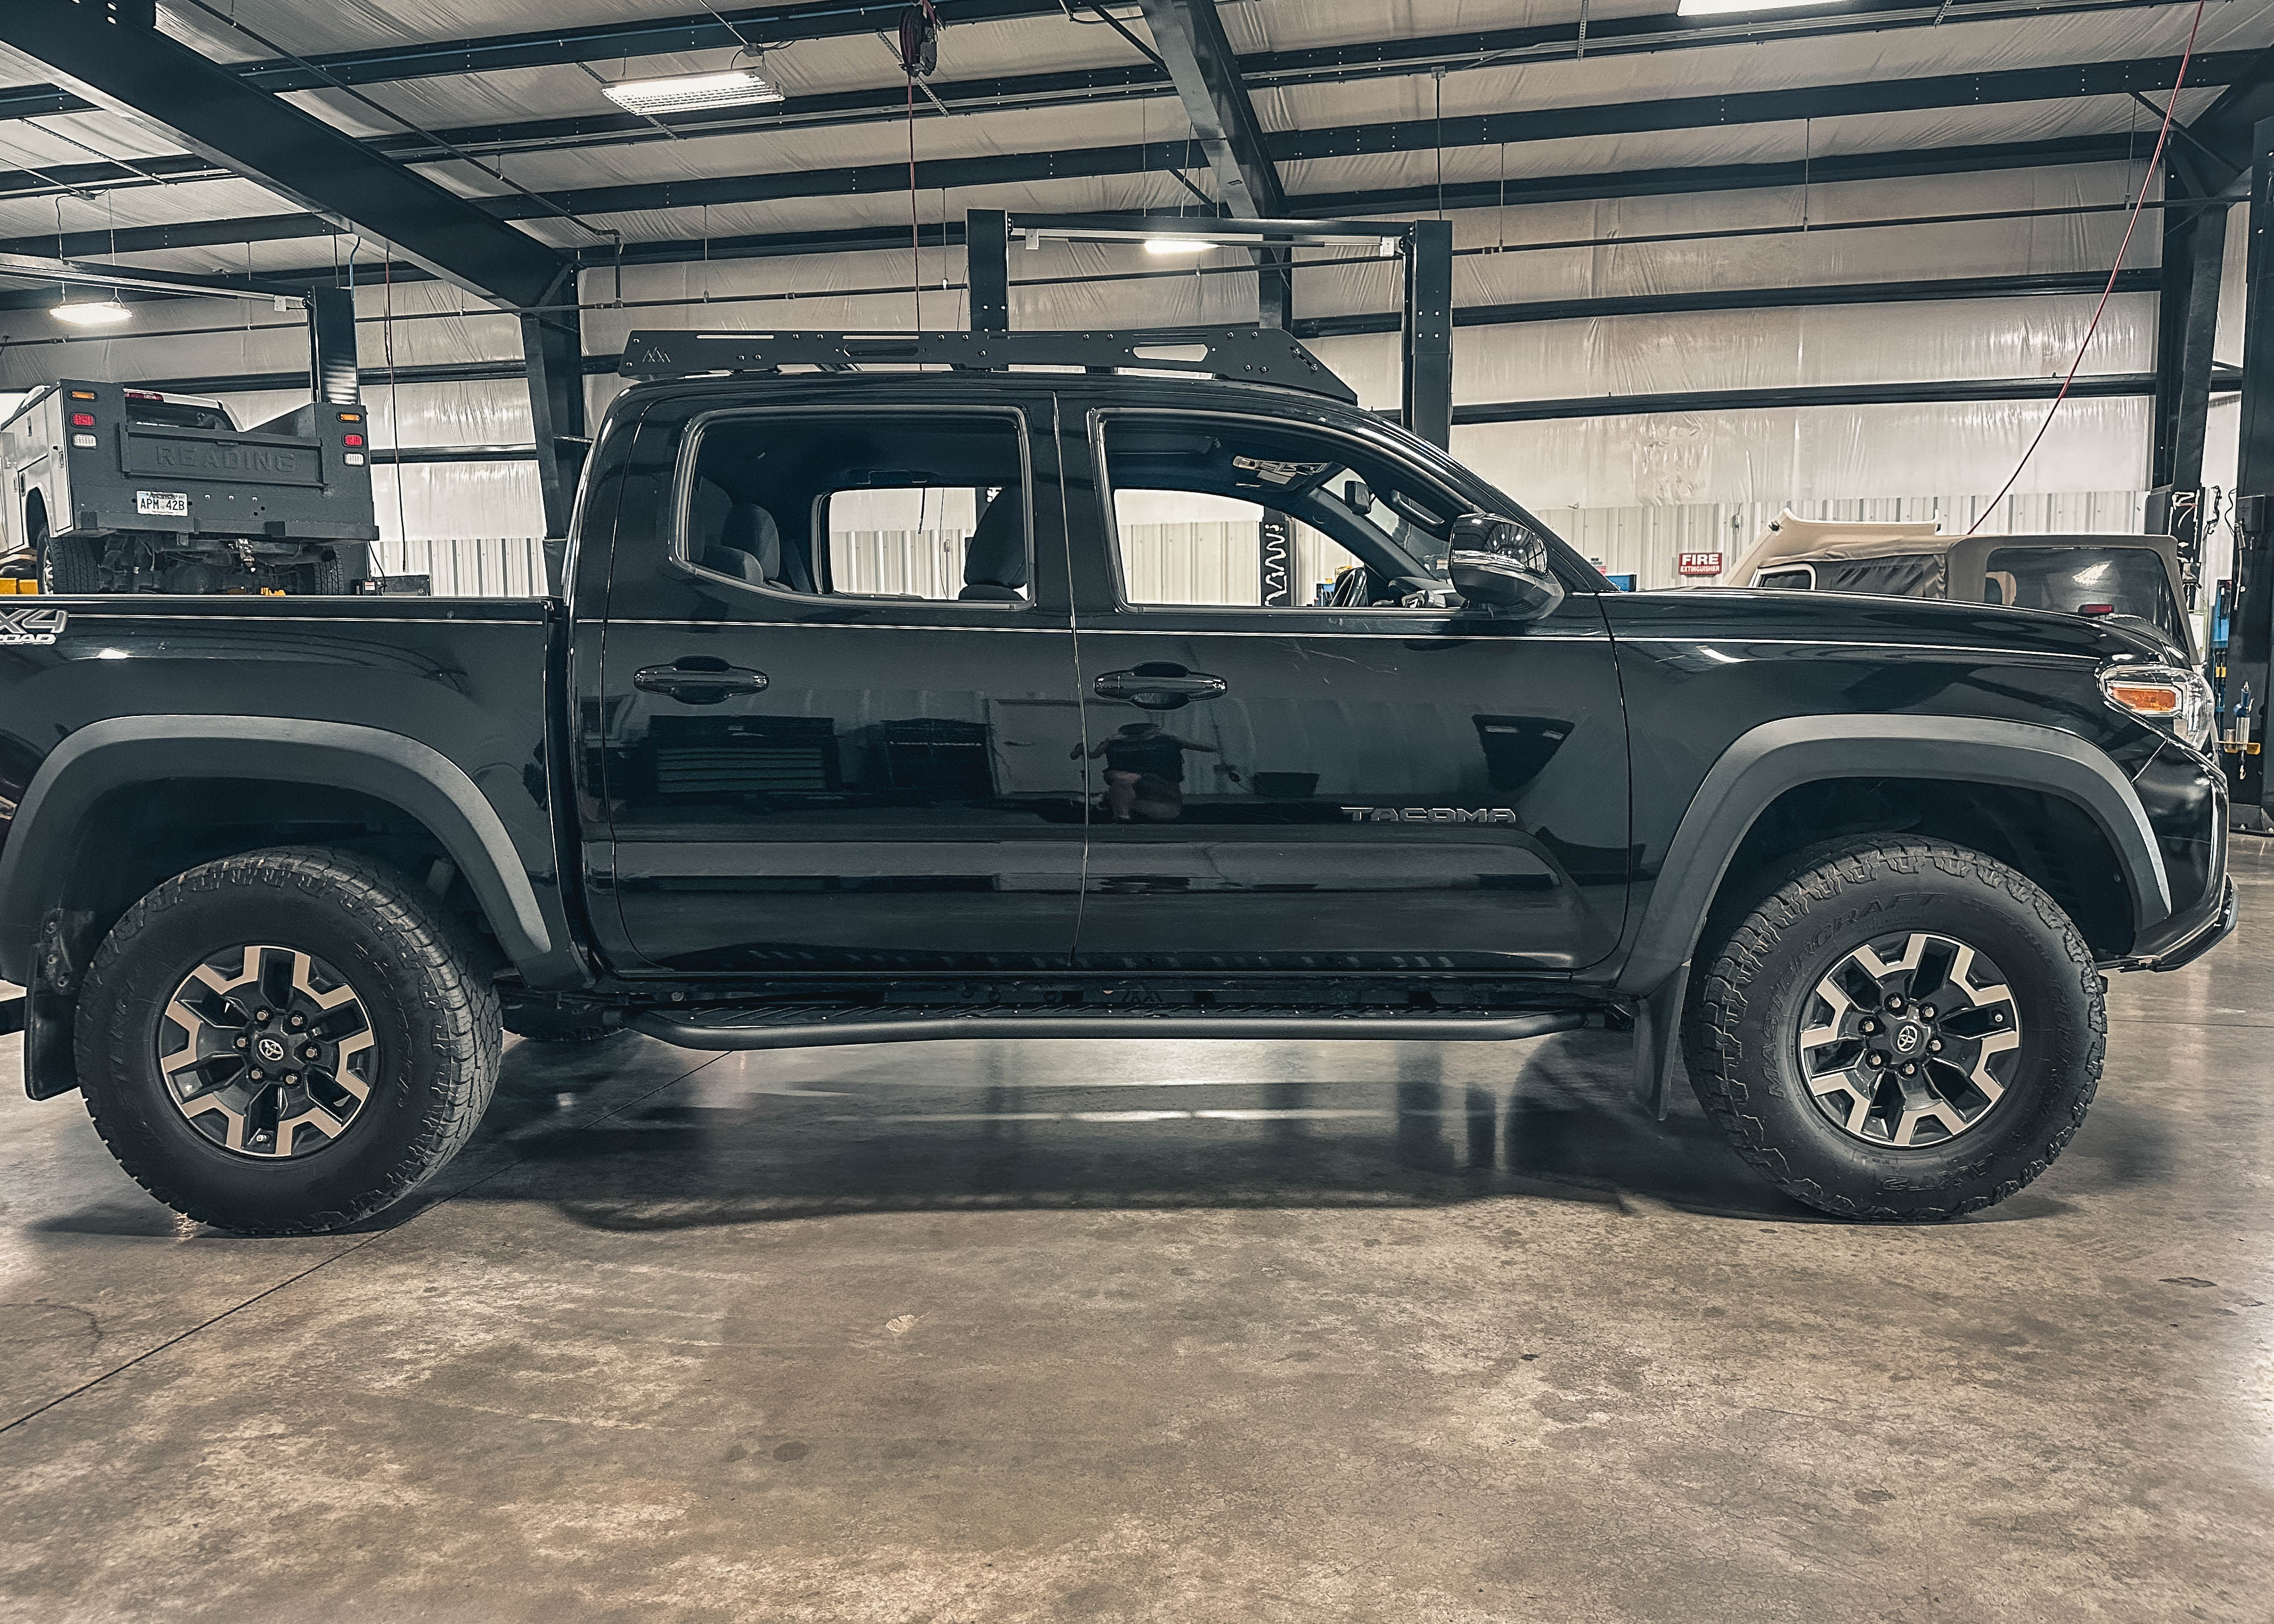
[(286, 1042), (1901, 1028)]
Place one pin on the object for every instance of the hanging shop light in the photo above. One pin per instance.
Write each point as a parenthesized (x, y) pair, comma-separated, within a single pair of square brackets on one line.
[(687, 92), (1722, 8), (92, 312), (1177, 245)]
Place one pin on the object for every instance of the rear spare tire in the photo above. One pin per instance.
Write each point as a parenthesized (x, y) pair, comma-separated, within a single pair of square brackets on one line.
[(286, 1042), (1900, 1028)]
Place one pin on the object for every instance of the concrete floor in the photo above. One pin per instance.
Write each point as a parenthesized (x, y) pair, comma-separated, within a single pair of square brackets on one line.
[(1177, 1332)]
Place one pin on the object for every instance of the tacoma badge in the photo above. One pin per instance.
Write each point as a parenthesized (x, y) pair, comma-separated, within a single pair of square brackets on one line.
[(1429, 815)]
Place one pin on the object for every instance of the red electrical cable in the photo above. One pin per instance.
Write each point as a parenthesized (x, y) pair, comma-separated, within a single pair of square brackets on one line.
[(2132, 221)]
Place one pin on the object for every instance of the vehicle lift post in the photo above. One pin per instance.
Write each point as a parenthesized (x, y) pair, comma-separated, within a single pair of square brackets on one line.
[(2243, 722), (1423, 247)]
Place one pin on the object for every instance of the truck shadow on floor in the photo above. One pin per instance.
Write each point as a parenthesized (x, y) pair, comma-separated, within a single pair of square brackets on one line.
[(887, 1139)]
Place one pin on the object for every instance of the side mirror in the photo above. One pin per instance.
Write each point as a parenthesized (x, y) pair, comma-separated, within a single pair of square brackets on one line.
[(1500, 562)]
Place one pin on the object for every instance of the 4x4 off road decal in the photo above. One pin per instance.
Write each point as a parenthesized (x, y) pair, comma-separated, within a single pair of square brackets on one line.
[(31, 627), (1429, 815)]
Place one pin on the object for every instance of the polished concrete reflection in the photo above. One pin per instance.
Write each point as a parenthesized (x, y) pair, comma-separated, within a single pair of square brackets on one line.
[(1171, 1332)]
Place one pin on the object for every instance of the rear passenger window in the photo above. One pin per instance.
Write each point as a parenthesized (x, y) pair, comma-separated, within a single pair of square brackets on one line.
[(933, 506)]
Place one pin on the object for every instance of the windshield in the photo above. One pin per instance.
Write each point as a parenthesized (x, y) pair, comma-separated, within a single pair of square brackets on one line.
[(156, 413), (2090, 581)]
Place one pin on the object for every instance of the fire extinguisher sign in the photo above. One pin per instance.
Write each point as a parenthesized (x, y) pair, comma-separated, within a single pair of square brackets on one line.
[(1701, 564)]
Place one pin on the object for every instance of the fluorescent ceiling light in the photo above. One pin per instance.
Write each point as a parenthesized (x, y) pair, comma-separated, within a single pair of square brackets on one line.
[(1722, 8), (685, 92), (1177, 245), (107, 313)]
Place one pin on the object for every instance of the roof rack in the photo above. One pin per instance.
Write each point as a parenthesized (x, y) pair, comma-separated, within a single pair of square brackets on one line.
[(1253, 354)]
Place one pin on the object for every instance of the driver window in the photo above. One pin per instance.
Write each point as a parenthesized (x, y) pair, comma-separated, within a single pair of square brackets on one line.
[(1234, 516)]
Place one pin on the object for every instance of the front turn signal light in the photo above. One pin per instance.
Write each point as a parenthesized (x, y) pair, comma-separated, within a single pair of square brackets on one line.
[(2175, 699)]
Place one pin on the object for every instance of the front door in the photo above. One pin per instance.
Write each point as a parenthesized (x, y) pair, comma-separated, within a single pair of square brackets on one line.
[(840, 731), (1334, 781)]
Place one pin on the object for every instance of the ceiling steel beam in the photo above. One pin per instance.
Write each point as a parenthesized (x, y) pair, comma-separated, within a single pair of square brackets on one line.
[(836, 18), (1017, 91), (136, 70), (1539, 189), (2104, 386), (1628, 116), (1190, 37), (1924, 290), (2101, 386), (1613, 306), (2226, 127)]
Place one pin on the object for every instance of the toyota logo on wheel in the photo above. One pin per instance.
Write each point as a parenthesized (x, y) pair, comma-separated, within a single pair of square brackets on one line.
[(1907, 1039), (271, 1050)]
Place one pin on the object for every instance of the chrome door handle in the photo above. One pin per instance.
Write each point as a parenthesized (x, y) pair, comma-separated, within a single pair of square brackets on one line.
[(1159, 687), (699, 679)]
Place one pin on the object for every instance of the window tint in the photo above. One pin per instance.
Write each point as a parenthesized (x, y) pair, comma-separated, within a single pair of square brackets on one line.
[(156, 413), (1796, 580), (929, 506), (1918, 574), (1209, 512), (2084, 581)]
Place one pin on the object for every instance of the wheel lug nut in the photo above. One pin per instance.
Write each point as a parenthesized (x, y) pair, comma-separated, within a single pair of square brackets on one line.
[(256, 1074), (312, 1051), (1926, 1011), (1934, 1046), (292, 1080), (1875, 1059), (1909, 1070), (1871, 1026), (261, 1016), (302, 1020), (245, 1042)]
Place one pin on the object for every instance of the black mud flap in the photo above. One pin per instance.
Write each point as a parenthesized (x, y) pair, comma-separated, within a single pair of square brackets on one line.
[(1658, 1041), (50, 1066)]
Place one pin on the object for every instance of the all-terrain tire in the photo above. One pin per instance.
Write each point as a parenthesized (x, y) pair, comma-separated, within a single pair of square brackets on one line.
[(1762, 964), (413, 967)]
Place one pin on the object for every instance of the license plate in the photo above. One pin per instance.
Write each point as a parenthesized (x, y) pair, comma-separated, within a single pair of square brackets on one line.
[(164, 504)]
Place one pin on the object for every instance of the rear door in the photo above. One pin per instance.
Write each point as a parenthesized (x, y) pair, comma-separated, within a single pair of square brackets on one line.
[(837, 721), (1333, 781)]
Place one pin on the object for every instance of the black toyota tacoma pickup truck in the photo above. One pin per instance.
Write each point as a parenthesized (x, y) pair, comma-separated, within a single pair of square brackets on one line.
[(883, 701)]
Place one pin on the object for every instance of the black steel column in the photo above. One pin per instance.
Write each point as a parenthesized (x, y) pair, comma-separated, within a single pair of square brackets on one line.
[(987, 268), (2195, 249), (2253, 627), (333, 380), (553, 342), (1426, 407)]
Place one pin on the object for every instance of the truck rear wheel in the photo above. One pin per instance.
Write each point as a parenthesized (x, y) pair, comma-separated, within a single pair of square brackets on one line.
[(68, 565), (286, 1042), (326, 577), (1902, 1028)]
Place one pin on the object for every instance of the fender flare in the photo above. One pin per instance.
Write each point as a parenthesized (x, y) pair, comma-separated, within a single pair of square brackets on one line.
[(103, 756), (1767, 761)]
